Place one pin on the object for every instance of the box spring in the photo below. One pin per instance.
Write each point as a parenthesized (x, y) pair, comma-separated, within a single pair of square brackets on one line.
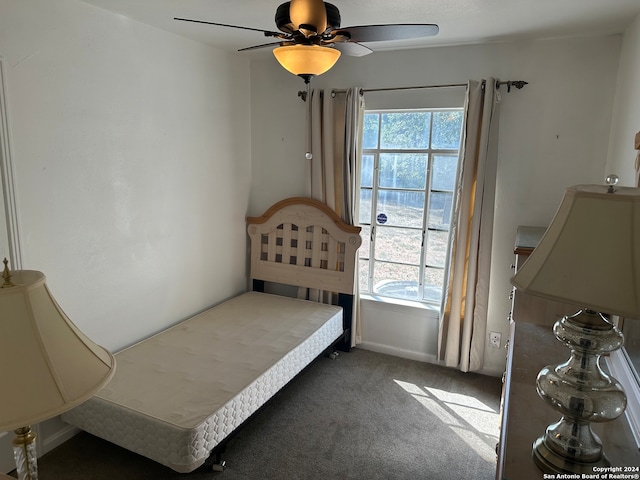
[(178, 394)]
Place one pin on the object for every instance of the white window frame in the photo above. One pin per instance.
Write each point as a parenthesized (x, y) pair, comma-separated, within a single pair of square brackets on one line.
[(622, 369), (372, 224)]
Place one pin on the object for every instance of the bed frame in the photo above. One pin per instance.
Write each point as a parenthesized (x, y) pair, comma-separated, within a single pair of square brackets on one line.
[(298, 242), (301, 242)]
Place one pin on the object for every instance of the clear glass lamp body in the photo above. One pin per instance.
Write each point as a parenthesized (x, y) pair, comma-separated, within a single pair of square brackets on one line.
[(582, 392), (24, 454)]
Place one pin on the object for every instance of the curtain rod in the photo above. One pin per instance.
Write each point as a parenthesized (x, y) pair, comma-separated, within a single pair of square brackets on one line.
[(509, 83), (519, 84)]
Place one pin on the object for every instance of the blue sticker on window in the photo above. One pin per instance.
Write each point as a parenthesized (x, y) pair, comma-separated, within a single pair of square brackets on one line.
[(382, 218)]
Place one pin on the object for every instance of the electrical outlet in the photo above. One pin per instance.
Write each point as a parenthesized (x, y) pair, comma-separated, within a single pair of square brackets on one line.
[(494, 339)]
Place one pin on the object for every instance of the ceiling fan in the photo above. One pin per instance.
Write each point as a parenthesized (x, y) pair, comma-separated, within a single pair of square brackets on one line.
[(311, 40)]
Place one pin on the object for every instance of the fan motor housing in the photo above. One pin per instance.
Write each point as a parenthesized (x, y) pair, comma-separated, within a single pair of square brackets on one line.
[(283, 21)]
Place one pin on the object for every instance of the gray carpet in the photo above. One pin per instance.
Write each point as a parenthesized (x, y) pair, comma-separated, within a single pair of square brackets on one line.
[(362, 416)]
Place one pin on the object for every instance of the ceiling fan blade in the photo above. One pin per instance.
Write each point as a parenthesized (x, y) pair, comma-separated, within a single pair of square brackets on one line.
[(352, 49), (384, 33), (267, 33), (265, 45)]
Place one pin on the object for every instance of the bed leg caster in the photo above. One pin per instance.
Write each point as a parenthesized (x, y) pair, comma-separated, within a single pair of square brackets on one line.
[(333, 355), (216, 463)]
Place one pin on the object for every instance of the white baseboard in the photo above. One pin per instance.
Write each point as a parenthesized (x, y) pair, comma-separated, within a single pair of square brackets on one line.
[(419, 356), (398, 352), (57, 438), (490, 372)]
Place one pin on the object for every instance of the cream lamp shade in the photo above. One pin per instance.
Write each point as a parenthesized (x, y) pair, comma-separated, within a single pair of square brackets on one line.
[(48, 364), (306, 60), (590, 254)]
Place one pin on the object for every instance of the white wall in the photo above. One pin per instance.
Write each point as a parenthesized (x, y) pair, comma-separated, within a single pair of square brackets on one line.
[(132, 166), (626, 120), (554, 133), (130, 151)]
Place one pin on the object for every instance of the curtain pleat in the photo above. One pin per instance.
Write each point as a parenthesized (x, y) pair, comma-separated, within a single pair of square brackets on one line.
[(463, 319), (334, 169)]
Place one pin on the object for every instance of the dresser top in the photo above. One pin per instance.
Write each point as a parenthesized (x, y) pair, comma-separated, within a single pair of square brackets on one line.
[(527, 238)]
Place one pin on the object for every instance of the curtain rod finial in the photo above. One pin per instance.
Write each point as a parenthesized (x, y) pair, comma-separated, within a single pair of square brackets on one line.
[(519, 84)]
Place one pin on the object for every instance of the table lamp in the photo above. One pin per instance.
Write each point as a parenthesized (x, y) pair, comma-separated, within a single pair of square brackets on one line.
[(48, 365), (590, 257)]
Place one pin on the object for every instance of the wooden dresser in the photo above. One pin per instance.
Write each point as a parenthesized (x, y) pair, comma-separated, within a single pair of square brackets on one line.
[(532, 346)]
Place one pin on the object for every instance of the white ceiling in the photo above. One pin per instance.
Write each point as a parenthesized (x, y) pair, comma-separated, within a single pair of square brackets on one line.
[(460, 21)]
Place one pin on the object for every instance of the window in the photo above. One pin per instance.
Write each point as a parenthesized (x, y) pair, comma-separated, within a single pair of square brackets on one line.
[(409, 169)]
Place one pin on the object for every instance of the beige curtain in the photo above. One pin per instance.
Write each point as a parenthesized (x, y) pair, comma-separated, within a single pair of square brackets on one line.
[(334, 170), (463, 320)]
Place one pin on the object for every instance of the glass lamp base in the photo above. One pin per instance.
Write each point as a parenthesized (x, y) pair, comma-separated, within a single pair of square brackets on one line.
[(582, 392), (549, 461), (24, 453)]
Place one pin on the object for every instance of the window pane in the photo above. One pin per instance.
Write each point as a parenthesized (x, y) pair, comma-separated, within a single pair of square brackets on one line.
[(444, 172), (370, 130), (405, 130), (410, 160), (398, 208), (364, 215), (436, 251), (446, 129), (398, 245), (366, 177), (399, 281), (440, 210), (433, 282), (363, 278), (365, 234), (403, 170)]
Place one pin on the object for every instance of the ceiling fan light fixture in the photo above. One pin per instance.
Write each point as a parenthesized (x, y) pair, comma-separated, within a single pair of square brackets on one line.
[(306, 60)]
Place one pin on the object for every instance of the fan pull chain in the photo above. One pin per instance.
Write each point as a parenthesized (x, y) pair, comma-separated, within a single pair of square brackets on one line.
[(308, 155)]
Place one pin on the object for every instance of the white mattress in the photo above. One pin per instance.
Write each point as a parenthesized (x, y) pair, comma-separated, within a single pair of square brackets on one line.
[(178, 394)]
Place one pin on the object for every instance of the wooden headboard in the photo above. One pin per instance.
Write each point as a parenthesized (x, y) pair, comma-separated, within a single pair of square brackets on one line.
[(300, 241)]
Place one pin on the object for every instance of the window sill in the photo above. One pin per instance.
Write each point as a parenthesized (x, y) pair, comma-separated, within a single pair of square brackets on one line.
[(403, 304)]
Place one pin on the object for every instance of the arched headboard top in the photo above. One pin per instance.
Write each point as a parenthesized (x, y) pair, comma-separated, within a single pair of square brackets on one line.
[(301, 241)]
